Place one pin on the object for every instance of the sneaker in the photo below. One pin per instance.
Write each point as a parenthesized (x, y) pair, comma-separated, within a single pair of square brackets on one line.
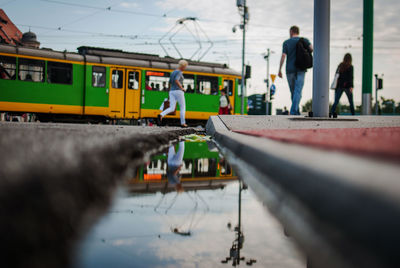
[(184, 126)]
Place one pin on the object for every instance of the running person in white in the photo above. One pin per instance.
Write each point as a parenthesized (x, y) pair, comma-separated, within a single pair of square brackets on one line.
[(176, 94), (175, 163)]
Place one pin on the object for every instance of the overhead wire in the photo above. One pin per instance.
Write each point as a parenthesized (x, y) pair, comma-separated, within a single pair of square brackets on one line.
[(110, 8), (104, 9), (227, 42), (151, 14)]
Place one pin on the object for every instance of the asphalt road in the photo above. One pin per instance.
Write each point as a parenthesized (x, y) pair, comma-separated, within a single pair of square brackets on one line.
[(56, 179)]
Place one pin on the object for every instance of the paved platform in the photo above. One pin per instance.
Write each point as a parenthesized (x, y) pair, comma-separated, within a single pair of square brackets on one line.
[(342, 209), (259, 122), (370, 136), (56, 179), (374, 142)]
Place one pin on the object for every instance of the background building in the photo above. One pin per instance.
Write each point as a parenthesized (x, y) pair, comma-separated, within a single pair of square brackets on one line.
[(9, 33)]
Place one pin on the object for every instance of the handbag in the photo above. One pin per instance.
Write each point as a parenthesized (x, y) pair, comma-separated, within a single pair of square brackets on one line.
[(335, 80)]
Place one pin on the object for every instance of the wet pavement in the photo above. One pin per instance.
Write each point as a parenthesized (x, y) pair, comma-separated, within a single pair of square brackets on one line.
[(181, 209), (57, 179)]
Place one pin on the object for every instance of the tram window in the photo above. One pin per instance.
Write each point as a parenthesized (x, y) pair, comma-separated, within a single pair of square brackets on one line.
[(59, 73), (7, 67), (133, 80), (117, 79), (31, 70), (187, 168), (157, 81), (228, 86), (98, 76), (207, 85), (188, 83), (205, 167)]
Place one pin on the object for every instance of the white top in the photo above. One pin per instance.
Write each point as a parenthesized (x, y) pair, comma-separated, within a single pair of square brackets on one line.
[(223, 101)]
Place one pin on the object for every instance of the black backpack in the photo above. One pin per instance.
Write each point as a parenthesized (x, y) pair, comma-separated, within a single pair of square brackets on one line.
[(304, 58)]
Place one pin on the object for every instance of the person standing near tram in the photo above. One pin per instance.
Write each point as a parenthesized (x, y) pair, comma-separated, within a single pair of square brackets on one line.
[(224, 103)]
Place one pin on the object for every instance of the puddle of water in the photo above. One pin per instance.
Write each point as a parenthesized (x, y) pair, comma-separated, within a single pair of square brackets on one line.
[(182, 210)]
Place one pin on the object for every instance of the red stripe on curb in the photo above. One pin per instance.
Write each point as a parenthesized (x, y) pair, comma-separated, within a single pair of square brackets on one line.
[(380, 142)]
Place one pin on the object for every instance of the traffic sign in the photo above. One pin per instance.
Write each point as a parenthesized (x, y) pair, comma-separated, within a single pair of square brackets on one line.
[(273, 76), (272, 89)]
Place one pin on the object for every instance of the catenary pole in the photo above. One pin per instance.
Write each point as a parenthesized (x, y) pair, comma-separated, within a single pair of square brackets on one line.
[(367, 69), (320, 104), (243, 56)]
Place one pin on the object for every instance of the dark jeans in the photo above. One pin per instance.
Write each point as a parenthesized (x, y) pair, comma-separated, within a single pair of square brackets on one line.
[(338, 94)]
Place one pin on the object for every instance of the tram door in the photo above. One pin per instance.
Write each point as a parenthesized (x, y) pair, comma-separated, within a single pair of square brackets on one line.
[(116, 95), (132, 95), (229, 86)]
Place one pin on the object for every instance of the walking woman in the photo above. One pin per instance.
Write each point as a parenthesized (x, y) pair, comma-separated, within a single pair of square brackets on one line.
[(344, 83), (176, 94)]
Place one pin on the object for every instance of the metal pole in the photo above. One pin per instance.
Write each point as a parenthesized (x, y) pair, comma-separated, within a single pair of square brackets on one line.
[(243, 51), (267, 81), (376, 94), (368, 44), (240, 220), (320, 104)]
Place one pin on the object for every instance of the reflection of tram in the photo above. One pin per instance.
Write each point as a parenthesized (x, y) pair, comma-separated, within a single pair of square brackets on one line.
[(201, 169), (101, 83)]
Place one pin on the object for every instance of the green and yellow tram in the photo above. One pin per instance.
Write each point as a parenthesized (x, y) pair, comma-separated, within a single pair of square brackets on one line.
[(105, 84), (201, 169)]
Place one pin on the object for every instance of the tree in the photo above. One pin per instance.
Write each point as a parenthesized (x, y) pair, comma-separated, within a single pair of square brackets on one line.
[(307, 107), (340, 108), (388, 106)]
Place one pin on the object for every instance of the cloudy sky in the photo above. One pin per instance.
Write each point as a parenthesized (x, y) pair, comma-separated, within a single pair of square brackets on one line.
[(138, 25)]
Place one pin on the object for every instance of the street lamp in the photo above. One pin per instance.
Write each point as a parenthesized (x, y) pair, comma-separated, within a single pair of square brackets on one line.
[(243, 11), (266, 57), (237, 245)]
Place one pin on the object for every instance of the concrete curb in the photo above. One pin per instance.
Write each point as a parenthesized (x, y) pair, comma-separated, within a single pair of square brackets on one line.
[(342, 210)]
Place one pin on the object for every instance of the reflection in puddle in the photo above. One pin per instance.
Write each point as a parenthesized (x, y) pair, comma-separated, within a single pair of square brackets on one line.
[(183, 209)]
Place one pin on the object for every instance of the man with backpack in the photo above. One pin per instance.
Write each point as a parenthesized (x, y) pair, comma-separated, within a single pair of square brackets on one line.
[(298, 52)]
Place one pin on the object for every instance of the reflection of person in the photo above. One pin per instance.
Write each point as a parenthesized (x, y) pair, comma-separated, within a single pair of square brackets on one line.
[(28, 77), (294, 75), (147, 86), (345, 82), (176, 94), (224, 104), (3, 73), (174, 162), (164, 86)]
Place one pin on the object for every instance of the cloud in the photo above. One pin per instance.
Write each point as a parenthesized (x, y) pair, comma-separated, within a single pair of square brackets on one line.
[(268, 28)]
